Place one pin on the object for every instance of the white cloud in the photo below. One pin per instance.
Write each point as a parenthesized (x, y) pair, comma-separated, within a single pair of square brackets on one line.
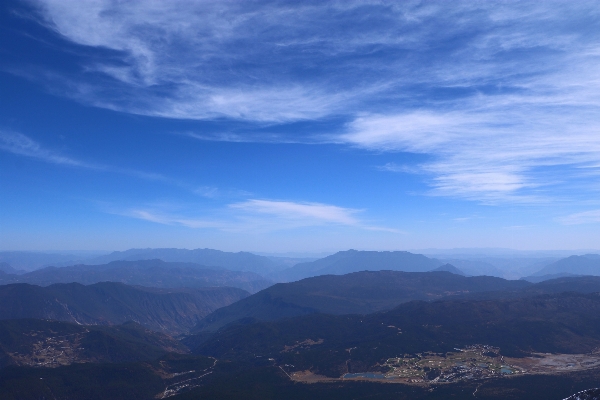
[(212, 192), (270, 104), (190, 52), (277, 62), (22, 145), (496, 148), (17, 143), (586, 217), (256, 215), (166, 219), (504, 97), (418, 132), (393, 167), (311, 213), (208, 191)]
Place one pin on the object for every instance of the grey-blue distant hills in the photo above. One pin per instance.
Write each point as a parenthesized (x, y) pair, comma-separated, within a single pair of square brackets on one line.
[(220, 268)]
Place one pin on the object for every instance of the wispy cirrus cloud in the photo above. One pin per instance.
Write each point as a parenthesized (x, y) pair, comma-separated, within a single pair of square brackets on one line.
[(169, 219), (22, 145), (493, 153), (278, 62), (213, 192), (504, 97), (257, 215), (17, 143), (311, 213), (586, 217), (402, 168), (184, 60)]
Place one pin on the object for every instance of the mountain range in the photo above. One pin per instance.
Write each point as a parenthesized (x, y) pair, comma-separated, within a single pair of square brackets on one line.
[(7, 269), (285, 269), (356, 293), (374, 291), (172, 311), (240, 261), (327, 326), (556, 323), (345, 262), (32, 260), (151, 273), (588, 264)]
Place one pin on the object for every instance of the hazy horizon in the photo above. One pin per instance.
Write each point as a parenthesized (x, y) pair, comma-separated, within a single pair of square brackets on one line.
[(474, 251)]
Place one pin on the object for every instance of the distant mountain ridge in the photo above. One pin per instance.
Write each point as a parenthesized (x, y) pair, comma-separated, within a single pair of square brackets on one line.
[(588, 264), (542, 278), (151, 273), (449, 268), (474, 267), (240, 261), (345, 262), (32, 260), (172, 311), (8, 269), (355, 293)]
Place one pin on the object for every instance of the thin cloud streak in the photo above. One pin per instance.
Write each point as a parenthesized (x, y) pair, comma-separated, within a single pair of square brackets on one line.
[(316, 212), (278, 62), (491, 156), (252, 138), (586, 217), (393, 167), (19, 144), (259, 215), (22, 145), (504, 98), (164, 219)]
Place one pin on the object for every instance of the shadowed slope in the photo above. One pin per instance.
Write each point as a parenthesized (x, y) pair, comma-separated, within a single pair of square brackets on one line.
[(357, 293), (35, 342), (558, 323), (108, 303)]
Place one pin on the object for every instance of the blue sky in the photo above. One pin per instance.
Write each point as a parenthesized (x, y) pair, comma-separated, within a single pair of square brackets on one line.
[(287, 126)]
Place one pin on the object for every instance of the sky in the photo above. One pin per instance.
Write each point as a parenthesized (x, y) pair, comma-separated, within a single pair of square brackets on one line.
[(280, 126)]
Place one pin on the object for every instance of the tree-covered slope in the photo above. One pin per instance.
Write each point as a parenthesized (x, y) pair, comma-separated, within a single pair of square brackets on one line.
[(34, 342), (356, 293), (166, 310), (558, 323)]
